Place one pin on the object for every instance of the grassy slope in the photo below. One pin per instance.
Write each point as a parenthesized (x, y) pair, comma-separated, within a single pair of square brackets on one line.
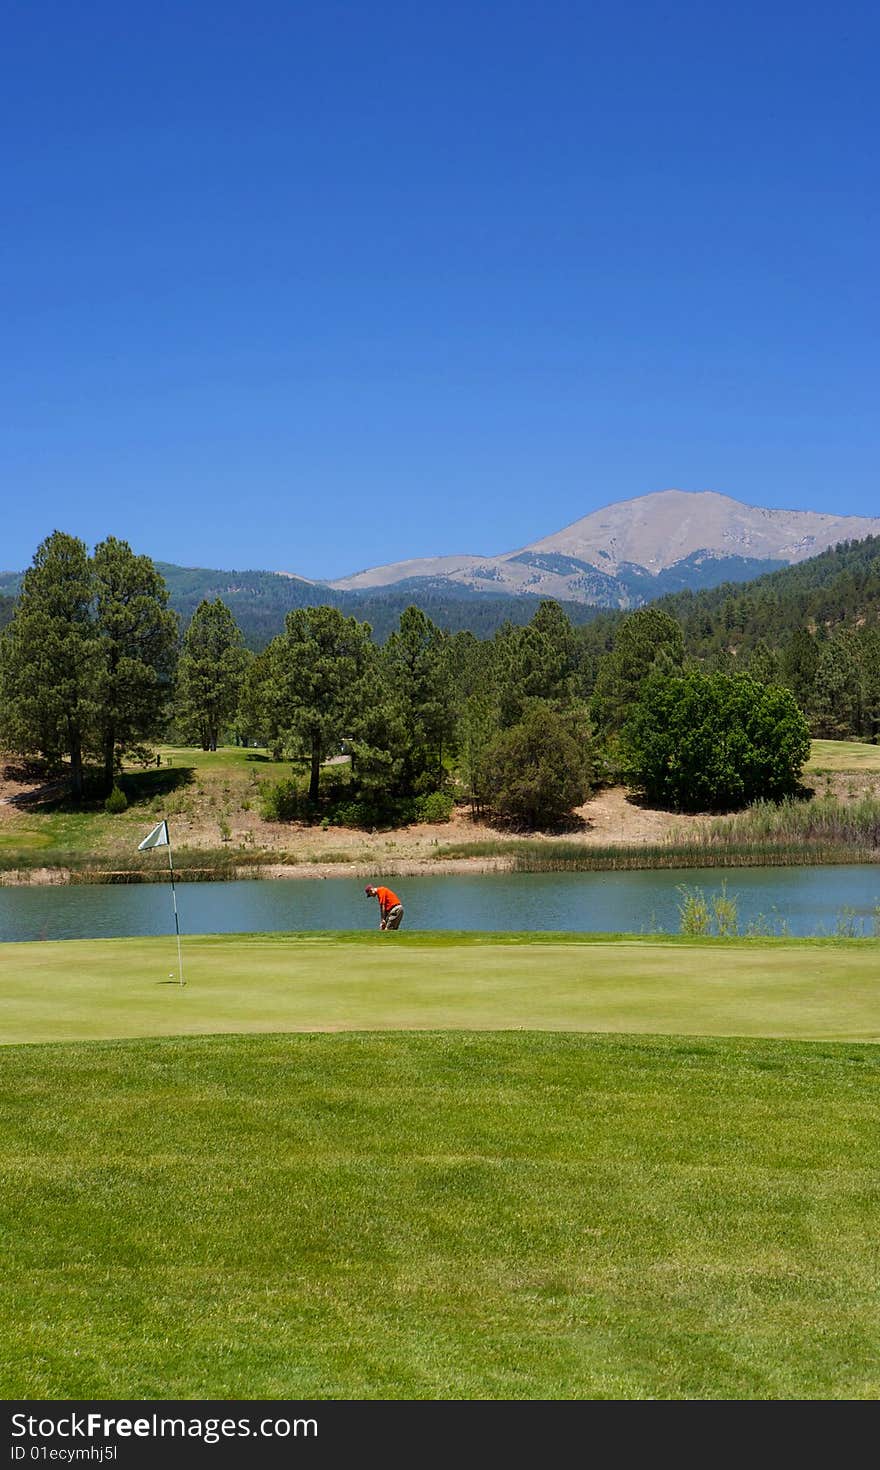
[(191, 785), (119, 988), (842, 755), (439, 1216)]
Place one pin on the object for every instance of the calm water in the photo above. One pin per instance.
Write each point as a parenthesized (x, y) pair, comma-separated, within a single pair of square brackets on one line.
[(807, 900)]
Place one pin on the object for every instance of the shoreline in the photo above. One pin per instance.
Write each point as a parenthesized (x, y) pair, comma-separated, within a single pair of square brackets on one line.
[(612, 831), (61, 877), (607, 861)]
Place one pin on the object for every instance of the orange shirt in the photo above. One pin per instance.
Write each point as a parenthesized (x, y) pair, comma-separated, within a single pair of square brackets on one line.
[(387, 899)]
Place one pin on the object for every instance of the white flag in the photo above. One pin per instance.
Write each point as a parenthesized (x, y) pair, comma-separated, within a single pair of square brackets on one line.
[(157, 838)]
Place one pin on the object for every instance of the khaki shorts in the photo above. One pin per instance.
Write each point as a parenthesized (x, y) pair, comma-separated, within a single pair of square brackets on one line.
[(394, 916)]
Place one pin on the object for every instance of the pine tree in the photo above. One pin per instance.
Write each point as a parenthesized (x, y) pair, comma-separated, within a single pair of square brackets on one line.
[(836, 696), (47, 674), (419, 682), (323, 658), (643, 638), (136, 650), (537, 661), (211, 672)]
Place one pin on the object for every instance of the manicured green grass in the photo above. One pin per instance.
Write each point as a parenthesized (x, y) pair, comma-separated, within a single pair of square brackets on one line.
[(843, 755), (500, 1216), (81, 989), (227, 759)]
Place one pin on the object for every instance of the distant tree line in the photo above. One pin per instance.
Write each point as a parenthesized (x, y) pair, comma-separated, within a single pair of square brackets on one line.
[(260, 602), (692, 708)]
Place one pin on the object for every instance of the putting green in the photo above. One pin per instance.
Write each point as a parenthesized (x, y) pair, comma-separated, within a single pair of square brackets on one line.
[(101, 989)]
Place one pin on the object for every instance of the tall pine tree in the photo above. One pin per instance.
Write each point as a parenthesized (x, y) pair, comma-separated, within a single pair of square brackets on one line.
[(211, 672), (47, 673), (136, 651)]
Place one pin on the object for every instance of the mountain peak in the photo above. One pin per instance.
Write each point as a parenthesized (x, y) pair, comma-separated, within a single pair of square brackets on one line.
[(639, 538), (655, 531)]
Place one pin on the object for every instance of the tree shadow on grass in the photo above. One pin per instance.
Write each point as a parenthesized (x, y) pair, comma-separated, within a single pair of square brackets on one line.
[(572, 823), (799, 792), (139, 787), (156, 781)]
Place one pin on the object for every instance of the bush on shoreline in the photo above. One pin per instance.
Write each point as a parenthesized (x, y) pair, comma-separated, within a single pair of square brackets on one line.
[(286, 801)]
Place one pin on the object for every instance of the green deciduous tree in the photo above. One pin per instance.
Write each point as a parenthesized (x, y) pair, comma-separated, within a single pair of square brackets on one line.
[(212, 667), (698, 742)]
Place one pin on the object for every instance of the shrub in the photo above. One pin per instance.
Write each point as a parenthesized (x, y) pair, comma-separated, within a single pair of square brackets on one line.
[(367, 813), (693, 911), (538, 770), (283, 801), (435, 807), (116, 802), (350, 814)]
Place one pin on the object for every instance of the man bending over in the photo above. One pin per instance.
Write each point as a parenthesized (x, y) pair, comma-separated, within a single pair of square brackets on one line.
[(390, 907)]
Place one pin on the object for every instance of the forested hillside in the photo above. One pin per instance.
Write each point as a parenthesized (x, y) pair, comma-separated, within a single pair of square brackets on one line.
[(839, 588), (260, 601), (814, 627)]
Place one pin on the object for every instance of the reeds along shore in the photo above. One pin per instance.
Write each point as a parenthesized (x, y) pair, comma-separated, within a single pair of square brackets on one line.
[(558, 857), (791, 833)]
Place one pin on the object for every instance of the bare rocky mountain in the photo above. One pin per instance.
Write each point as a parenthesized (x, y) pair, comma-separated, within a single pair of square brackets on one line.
[(637, 549)]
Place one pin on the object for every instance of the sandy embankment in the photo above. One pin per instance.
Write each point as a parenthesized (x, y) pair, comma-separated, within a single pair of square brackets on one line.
[(610, 818)]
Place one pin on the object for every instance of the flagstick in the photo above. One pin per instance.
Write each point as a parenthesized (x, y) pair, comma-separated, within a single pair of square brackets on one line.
[(176, 919)]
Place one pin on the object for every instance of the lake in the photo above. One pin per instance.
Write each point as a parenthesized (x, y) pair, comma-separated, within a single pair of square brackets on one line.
[(804, 901)]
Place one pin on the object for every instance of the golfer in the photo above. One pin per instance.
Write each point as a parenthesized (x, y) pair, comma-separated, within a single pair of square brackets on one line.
[(390, 907)]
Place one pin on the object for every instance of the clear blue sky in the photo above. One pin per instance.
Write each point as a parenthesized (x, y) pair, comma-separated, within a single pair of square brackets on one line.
[(313, 286)]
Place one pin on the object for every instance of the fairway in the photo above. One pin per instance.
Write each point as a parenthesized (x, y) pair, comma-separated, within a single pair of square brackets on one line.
[(81, 989), (459, 1216), (842, 755), (495, 1208)]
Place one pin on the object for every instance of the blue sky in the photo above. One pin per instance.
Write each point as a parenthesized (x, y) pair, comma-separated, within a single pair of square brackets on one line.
[(314, 286)]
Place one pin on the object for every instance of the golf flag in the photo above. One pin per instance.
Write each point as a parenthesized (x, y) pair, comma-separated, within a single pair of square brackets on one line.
[(157, 838)]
